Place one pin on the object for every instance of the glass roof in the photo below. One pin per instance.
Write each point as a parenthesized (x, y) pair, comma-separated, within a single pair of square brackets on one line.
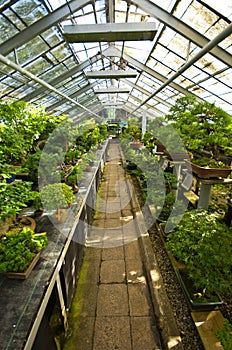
[(191, 53)]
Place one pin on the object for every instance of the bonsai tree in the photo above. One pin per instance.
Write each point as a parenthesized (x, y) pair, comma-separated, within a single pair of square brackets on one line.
[(75, 175), (203, 126), (56, 196), (204, 244), (14, 197), (134, 130)]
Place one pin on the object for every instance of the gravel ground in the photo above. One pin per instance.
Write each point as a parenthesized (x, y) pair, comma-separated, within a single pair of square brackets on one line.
[(185, 324), (181, 311)]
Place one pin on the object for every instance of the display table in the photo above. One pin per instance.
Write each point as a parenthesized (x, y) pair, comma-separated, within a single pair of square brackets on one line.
[(205, 190), (26, 304)]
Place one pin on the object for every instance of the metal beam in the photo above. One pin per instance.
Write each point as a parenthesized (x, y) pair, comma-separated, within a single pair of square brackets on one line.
[(109, 32), (33, 77), (182, 28), (73, 95), (111, 74), (41, 25), (112, 91), (113, 51), (62, 77), (145, 92)]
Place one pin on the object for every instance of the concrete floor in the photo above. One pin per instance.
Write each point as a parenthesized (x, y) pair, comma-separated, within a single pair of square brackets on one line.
[(111, 307)]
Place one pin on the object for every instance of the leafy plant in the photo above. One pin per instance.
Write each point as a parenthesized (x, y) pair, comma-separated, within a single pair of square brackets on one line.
[(167, 207), (225, 335), (17, 250), (14, 197), (22, 127), (31, 165), (56, 196), (202, 126), (204, 244), (133, 129), (209, 163)]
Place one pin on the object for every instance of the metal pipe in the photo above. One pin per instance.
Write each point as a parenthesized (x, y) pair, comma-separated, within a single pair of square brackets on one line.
[(31, 76), (226, 32)]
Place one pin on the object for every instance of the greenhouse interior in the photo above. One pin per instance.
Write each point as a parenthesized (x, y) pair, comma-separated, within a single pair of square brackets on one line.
[(116, 175)]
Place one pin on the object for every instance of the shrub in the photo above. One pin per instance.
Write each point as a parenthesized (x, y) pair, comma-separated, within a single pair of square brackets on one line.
[(204, 244)]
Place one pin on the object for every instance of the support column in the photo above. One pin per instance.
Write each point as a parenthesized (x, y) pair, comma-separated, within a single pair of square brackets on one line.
[(62, 304), (204, 199)]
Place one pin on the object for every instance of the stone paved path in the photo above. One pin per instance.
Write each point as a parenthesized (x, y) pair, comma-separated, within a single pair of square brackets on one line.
[(111, 308)]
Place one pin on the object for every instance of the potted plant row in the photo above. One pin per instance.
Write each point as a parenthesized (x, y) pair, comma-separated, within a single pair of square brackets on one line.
[(203, 244)]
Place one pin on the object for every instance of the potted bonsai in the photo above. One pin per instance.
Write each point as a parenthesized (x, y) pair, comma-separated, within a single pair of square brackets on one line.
[(19, 252), (134, 131), (13, 198), (203, 244), (56, 196), (206, 131), (74, 176)]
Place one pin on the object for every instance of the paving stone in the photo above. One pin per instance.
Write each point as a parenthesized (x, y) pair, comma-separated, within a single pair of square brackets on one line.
[(112, 333), (84, 300), (112, 271), (98, 223), (113, 206), (132, 250), (99, 215), (134, 271), (143, 337), (113, 215), (95, 238), (82, 334), (129, 235), (113, 223), (126, 213), (93, 253), (138, 300), (113, 238), (90, 271), (112, 300), (116, 253)]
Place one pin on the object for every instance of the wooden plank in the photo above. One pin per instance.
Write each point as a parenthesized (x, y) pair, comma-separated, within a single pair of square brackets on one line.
[(191, 196), (208, 323)]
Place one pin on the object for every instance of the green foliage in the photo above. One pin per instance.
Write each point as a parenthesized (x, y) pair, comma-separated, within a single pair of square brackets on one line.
[(167, 207), (89, 135), (17, 250), (15, 196), (31, 165), (22, 127), (209, 163), (202, 125), (58, 195), (76, 173), (148, 141), (225, 335), (204, 245), (133, 129), (103, 132)]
